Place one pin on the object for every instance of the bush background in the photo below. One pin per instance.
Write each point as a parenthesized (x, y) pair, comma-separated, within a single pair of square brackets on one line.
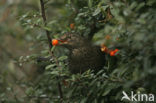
[(23, 41)]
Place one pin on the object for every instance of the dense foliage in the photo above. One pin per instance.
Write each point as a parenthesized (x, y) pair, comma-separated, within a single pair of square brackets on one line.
[(124, 24)]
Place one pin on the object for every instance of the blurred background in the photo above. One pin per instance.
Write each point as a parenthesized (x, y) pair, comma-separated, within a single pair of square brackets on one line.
[(16, 45), (20, 44), (14, 42)]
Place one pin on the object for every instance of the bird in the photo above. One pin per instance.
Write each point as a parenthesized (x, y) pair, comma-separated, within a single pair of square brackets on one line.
[(83, 55)]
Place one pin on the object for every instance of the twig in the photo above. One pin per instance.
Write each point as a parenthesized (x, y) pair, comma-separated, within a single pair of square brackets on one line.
[(50, 45), (45, 20)]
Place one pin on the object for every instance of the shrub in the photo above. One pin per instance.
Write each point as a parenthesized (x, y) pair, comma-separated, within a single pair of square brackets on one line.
[(126, 25)]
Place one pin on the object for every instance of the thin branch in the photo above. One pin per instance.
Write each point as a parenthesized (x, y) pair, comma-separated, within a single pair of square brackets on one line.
[(50, 45), (45, 20)]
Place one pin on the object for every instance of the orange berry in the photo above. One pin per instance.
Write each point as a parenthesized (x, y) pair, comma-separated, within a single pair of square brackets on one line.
[(116, 50), (54, 42), (104, 49), (117, 38), (65, 83), (107, 37), (72, 26), (112, 53)]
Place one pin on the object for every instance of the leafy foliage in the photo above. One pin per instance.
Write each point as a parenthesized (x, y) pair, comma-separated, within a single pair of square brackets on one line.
[(126, 25)]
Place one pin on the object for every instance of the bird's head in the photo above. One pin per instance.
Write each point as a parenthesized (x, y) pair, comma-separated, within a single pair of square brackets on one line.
[(71, 41)]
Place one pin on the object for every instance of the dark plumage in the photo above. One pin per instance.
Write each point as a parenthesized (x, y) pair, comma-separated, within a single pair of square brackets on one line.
[(83, 55)]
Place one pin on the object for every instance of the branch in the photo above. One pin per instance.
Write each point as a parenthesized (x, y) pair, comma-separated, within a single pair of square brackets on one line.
[(50, 45), (45, 20)]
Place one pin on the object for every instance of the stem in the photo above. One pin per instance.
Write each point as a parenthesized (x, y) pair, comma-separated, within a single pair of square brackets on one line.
[(45, 20), (50, 45)]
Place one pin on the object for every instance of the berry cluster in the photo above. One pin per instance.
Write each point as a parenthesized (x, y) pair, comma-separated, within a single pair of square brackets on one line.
[(110, 52)]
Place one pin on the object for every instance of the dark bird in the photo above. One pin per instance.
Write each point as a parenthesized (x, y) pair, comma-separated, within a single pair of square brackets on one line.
[(83, 55)]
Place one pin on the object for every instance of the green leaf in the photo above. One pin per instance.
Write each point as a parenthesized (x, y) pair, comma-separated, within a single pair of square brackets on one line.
[(106, 92), (45, 52), (83, 100), (69, 1), (50, 66), (55, 72), (104, 7), (53, 48), (29, 90), (47, 28), (97, 11), (62, 58), (90, 3)]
